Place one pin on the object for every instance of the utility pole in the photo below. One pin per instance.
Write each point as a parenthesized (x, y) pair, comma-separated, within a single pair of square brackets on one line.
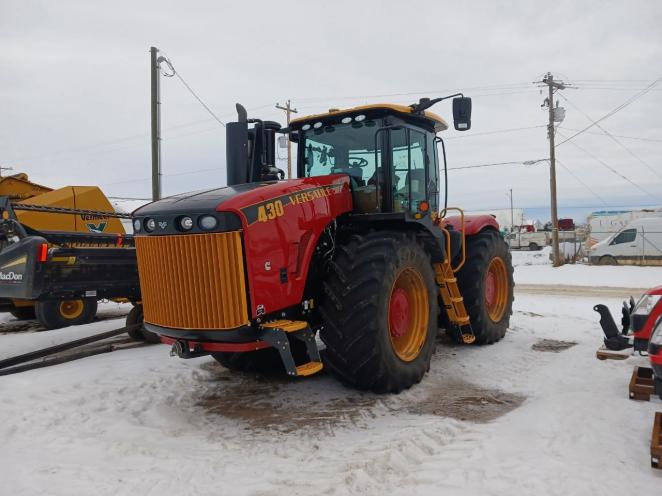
[(156, 123), (512, 217), (288, 112), (552, 85)]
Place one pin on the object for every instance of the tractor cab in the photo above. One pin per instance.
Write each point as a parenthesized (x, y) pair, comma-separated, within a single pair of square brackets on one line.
[(388, 151)]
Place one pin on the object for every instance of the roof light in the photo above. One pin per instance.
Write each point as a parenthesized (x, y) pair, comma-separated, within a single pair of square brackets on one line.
[(359, 118), (305, 127), (346, 120), (317, 125)]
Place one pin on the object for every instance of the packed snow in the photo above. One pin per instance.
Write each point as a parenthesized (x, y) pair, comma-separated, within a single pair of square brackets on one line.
[(533, 414), (533, 267)]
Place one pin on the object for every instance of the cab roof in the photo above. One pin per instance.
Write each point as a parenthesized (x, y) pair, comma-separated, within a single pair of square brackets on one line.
[(438, 123)]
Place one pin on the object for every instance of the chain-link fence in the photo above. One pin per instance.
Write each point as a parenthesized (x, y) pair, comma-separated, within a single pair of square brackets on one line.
[(636, 245), (630, 246)]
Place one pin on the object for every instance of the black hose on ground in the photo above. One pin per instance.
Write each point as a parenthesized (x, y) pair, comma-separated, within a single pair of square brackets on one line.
[(51, 350), (56, 361)]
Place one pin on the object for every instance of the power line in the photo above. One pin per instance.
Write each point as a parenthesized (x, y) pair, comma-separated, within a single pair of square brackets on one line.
[(166, 59), (499, 131), (615, 171), (613, 138), (127, 198), (655, 140), (196, 171), (497, 87), (581, 182), (614, 111), (514, 162)]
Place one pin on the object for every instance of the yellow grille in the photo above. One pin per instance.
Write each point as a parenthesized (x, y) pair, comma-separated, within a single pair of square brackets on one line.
[(193, 281)]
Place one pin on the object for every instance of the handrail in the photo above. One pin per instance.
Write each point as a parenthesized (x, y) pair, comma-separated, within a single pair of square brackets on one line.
[(442, 216)]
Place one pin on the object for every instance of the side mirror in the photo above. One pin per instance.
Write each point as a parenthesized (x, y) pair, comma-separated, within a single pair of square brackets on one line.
[(462, 113)]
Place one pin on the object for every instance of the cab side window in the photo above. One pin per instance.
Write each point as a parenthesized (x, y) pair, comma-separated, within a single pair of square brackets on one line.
[(410, 159), (627, 236)]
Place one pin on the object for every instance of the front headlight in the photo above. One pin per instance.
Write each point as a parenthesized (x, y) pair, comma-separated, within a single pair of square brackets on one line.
[(136, 225), (186, 223), (656, 338), (150, 225), (646, 304), (207, 222)]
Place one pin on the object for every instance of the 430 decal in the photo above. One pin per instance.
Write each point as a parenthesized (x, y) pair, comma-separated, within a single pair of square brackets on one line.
[(275, 207), (269, 211)]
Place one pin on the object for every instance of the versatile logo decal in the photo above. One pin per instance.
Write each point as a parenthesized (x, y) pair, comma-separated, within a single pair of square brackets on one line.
[(97, 228), (272, 209), (163, 224), (99, 224)]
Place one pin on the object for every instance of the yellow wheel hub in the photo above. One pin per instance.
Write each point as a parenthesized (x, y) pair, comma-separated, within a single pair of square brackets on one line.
[(408, 316), (496, 289), (71, 309)]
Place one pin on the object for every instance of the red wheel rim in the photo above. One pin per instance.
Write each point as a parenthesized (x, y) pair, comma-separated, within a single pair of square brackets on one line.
[(399, 313)]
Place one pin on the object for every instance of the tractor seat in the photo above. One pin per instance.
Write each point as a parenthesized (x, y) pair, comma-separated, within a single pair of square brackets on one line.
[(355, 174)]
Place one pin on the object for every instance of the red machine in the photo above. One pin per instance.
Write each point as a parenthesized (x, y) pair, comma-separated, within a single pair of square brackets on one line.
[(637, 321), (356, 248)]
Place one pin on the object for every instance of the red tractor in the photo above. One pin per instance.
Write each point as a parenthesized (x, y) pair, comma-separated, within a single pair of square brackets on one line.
[(354, 248)]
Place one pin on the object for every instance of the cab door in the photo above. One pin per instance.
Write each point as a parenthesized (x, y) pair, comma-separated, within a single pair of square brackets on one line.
[(411, 159)]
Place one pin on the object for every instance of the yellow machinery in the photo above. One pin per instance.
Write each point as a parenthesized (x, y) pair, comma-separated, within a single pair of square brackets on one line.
[(21, 190), (22, 194)]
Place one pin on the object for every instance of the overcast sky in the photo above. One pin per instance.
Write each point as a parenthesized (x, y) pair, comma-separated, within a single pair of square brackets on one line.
[(74, 87)]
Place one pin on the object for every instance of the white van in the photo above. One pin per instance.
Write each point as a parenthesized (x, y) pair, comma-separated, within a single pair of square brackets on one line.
[(638, 243)]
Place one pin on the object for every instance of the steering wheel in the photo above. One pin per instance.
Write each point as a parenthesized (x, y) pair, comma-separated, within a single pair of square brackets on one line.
[(358, 162)]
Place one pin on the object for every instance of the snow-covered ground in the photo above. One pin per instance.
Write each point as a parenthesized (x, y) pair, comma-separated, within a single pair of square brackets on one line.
[(534, 268), (505, 419)]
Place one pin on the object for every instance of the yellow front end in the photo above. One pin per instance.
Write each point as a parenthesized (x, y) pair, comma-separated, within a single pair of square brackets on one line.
[(193, 281)]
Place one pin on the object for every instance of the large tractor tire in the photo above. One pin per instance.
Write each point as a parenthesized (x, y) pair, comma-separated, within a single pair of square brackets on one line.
[(23, 313), (265, 361), (140, 334), (486, 283), (54, 314), (380, 313)]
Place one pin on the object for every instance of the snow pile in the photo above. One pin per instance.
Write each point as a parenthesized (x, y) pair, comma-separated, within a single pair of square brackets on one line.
[(525, 257)]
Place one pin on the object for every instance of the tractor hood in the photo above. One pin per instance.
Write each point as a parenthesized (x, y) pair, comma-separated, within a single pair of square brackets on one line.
[(197, 201), (236, 207)]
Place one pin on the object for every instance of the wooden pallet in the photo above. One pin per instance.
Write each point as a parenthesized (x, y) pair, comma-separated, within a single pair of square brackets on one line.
[(656, 442), (642, 384), (604, 353)]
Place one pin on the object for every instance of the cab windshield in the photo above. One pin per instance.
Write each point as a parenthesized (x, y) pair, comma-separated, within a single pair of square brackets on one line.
[(342, 149)]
